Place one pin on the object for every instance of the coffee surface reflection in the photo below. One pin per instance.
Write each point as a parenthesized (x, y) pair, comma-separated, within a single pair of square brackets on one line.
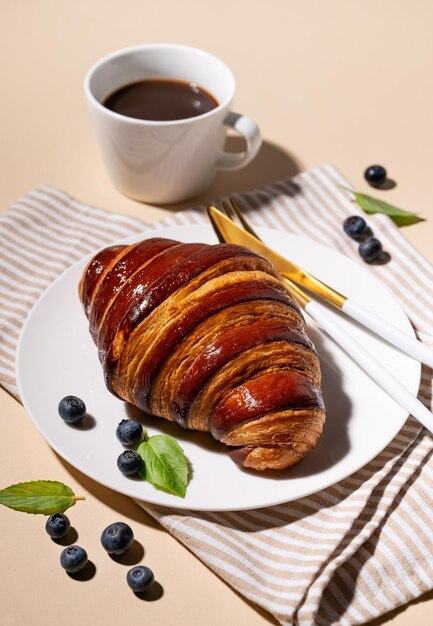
[(161, 100)]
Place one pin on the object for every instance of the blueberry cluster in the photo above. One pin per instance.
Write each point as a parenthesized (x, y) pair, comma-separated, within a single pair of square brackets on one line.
[(369, 248), (116, 539), (130, 433), (74, 558)]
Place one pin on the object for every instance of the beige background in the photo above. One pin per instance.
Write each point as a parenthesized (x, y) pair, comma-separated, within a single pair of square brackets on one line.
[(346, 82)]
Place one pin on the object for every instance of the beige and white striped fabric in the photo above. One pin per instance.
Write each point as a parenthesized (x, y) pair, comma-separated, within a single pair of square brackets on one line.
[(342, 556)]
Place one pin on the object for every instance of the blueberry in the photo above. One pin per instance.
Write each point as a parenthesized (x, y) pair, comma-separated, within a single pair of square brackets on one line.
[(129, 432), (370, 249), (140, 578), (117, 538), (73, 559), (355, 226), (72, 409), (375, 175), (57, 525), (129, 462)]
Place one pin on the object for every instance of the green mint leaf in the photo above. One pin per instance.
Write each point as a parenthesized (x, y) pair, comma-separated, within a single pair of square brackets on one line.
[(166, 466), (372, 205), (142, 471), (43, 497)]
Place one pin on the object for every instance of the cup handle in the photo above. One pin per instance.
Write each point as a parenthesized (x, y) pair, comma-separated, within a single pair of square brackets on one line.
[(249, 130)]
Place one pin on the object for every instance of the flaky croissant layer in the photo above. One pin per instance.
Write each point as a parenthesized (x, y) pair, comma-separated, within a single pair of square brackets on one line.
[(207, 336)]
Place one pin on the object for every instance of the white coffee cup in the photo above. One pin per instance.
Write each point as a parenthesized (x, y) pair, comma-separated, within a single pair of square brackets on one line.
[(166, 161)]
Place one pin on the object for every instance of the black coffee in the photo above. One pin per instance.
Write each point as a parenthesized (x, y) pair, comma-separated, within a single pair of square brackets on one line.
[(161, 99)]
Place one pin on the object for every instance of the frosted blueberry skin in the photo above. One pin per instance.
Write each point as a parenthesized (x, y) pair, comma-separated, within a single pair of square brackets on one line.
[(73, 559), (129, 463), (117, 538), (57, 525), (370, 249), (71, 409), (140, 578), (129, 432), (375, 175)]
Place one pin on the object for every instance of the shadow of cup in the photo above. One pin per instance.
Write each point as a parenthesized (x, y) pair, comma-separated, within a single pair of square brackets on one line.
[(271, 164)]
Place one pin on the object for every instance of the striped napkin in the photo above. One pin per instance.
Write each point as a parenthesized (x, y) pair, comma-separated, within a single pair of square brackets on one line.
[(342, 556)]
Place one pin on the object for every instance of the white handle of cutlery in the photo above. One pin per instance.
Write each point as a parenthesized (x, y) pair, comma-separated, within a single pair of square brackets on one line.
[(368, 363), (394, 335)]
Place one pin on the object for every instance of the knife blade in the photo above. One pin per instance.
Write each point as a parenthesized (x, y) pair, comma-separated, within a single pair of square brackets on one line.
[(232, 233)]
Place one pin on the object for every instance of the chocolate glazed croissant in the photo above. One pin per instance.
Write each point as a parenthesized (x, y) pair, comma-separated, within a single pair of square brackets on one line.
[(207, 336)]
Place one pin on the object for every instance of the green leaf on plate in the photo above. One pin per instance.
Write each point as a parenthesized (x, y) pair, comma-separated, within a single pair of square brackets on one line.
[(142, 471), (165, 464), (43, 497), (372, 205)]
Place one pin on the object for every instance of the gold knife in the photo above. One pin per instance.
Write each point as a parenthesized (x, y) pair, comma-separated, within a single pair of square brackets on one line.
[(332, 327), (232, 233)]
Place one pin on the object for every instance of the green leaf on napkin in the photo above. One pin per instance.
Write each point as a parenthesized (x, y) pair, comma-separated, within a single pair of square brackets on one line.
[(372, 205), (43, 497), (165, 464)]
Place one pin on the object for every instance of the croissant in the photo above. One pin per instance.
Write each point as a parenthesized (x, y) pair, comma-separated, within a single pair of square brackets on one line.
[(207, 336)]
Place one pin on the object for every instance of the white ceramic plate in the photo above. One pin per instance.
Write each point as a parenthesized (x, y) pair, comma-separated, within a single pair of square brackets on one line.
[(56, 357)]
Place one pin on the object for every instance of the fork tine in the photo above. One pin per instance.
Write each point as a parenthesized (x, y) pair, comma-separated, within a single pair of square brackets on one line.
[(214, 225), (226, 208), (235, 208)]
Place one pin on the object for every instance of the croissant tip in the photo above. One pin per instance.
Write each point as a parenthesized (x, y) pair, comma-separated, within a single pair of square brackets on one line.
[(239, 455), (266, 457)]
